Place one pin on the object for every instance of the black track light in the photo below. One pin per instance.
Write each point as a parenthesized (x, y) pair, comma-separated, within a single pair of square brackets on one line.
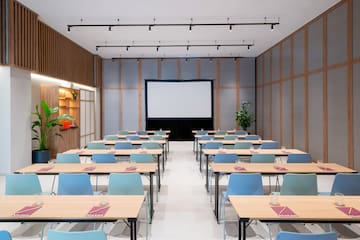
[(272, 27), (149, 28), (127, 48), (187, 48), (217, 47), (248, 47), (68, 29), (157, 48), (190, 28), (110, 28), (230, 27)]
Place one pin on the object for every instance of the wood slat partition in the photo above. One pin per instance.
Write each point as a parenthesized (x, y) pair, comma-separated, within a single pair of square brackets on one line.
[(61, 58), (23, 49), (2, 32)]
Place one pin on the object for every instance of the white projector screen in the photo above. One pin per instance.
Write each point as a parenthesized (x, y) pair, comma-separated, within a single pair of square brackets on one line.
[(179, 99)]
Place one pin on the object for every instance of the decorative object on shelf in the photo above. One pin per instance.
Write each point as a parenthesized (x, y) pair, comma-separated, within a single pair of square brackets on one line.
[(243, 117), (74, 94), (42, 128)]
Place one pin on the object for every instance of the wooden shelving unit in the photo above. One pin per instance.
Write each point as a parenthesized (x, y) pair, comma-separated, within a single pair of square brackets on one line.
[(69, 103)]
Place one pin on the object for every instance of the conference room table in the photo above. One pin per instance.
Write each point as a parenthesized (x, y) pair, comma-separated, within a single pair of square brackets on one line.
[(138, 143), (294, 209), (272, 169), (95, 169), (80, 208)]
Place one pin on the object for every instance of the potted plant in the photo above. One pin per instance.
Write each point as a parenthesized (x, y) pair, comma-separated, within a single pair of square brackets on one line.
[(243, 117), (42, 128)]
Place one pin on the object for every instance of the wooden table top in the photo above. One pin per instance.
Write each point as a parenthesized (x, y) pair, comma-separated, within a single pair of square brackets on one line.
[(64, 208), (249, 152), (306, 208), (91, 168), (134, 142), (233, 142), (274, 168), (117, 152)]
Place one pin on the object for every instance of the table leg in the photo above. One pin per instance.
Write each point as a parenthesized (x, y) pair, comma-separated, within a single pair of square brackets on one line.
[(132, 222), (151, 197), (217, 196), (164, 151), (197, 148), (207, 173), (200, 158), (163, 163), (158, 178)]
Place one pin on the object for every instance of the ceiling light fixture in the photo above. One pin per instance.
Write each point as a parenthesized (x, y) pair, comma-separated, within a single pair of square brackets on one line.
[(109, 28)]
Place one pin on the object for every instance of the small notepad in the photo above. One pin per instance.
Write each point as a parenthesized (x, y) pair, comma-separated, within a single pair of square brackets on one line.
[(27, 210), (239, 168), (350, 211), (327, 169), (131, 169), (283, 211), (89, 169), (45, 169), (279, 168), (98, 211)]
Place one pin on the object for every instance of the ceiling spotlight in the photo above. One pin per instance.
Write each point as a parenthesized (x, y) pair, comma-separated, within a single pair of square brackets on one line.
[(190, 28), (109, 28), (187, 48), (96, 48), (217, 47), (127, 48), (157, 48), (186, 59), (149, 28), (248, 47), (272, 27), (230, 27), (68, 28)]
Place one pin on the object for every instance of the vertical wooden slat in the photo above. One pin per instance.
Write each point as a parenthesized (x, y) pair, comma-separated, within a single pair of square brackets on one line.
[(306, 90), (238, 83), (350, 109), (325, 102), (270, 93), (263, 95), (281, 94)]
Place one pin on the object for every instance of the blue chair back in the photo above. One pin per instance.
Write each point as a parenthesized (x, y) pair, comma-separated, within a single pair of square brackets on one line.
[(245, 184), (125, 184), (22, 184), (74, 184), (5, 235), (306, 236), (160, 132), (133, 137), (103, 158), (346, 183), (270, 145), (151, 145), (111, 137), (252, 137), (240, 132), (142, 158), (299, 158), (230, 137), (206, 137), (225, 158), (123, 145), (262, 158), (96, 145), (201, 132), (299, 184), (123, 132), (243, 145), (213, 145), (220, 132), (156, 137), (84, 235), (67, 158), (141, 132)]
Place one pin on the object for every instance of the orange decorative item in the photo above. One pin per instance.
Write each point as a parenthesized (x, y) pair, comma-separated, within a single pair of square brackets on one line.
[(66, 124)]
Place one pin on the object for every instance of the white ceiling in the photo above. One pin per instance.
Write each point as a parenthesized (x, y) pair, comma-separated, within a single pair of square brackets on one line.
[(292, 14)]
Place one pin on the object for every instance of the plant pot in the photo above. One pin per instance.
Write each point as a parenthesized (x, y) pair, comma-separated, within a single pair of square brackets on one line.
[(40, 156)]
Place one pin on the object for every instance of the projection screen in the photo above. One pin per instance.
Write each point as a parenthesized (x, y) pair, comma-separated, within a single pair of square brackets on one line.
[(179, 98)]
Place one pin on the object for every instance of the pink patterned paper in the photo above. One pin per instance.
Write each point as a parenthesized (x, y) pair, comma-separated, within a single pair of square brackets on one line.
[(98, 211), (239, 168), (130, 169), (89, 169), (350, 211), (45, 169), (27, 210), (279, 168), (283, 211), (327, 169)]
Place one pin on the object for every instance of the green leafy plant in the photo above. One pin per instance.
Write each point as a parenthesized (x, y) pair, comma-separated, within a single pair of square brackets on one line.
[(243, 117), (44, 123)]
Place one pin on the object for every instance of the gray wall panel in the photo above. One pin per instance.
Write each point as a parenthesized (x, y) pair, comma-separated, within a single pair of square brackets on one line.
[(130, 73), (356, 100), (276, 63), (247, 72), (130, 109), (315, 40), (276, 111), (267, 112), (207, 69), (248, 94), (286, 113), (315, 106), (111, 118), (286, 61), (267, 67), (356, 29), (299, 54), (149, 69), (337, 115), (337, 35), (299, 112), (227, 108), (259, 116), (188, 69), (111, 74), (169, 69), (227, 72)]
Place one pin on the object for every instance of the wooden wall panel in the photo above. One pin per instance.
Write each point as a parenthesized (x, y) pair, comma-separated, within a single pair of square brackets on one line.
[(61, 58), (2, 32)]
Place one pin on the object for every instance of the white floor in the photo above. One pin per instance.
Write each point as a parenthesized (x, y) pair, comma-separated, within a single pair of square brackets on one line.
[(183, 210)]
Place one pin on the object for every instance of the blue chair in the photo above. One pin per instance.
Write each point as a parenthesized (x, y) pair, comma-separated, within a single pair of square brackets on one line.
[(270, 145), (213, 145), (67, 158), (22, 184), (243, 145), (240, 132), (262, 158), (252, 137), (220, 132), (306, 236), (201, 132), (299, 158), (85, 235), (230, 137), (156, 137), (225, 158), (96, 145), (151, 145), (123, 132), (74, 184), (206, 138), (111, 137), (141, 132), (133, 137), (160, 132), (123, 145), (142, 158), (346, 183), (103, 158), (5, 235), (299, 184)]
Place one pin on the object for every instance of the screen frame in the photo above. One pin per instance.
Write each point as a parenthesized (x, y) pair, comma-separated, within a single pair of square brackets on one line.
[(211, 81)]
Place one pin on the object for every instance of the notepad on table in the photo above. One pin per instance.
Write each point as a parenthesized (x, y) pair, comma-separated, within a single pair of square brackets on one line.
[(27, 210), (98, 211), (283, 211), (350, 211)]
